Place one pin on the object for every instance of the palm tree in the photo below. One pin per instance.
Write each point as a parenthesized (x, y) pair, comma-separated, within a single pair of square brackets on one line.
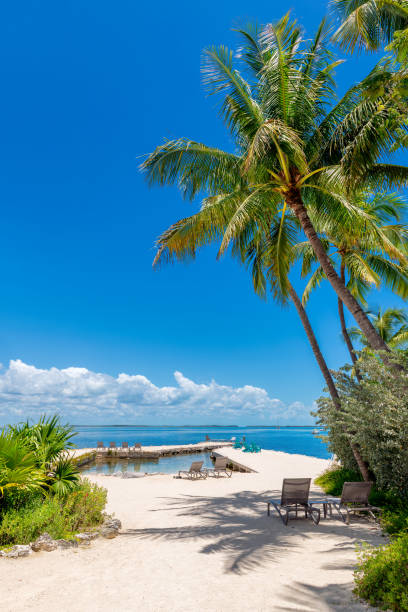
[(391, 324), (364, 260), (269, 252), (372, 23), (294, 143)]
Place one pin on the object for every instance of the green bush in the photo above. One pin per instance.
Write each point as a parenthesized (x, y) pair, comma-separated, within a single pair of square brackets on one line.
[(33, 459), (374, 416), (60, 516), (332, 479), (382, 577)]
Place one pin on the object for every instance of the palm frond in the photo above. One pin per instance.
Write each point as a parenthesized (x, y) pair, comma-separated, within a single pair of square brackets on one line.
[(240, 110), (193, 166), (314, 281), (369, 23), (393, 275)]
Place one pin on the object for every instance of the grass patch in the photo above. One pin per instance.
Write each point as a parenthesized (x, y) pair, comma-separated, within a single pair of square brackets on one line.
[(332, 479), (59, 516)]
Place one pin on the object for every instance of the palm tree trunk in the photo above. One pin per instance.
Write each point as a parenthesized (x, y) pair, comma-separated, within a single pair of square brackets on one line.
[(346, 336), (376, 342), (315, 347), (326, 373)]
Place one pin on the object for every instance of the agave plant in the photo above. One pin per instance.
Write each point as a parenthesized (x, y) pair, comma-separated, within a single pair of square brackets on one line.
[(295, 144)]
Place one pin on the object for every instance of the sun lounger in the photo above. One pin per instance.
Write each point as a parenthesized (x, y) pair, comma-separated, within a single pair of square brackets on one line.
[(220, 467), (125, 445), (112, 444), (195, 471), (99, 445), (138, 446), (294, 497), (354, 498)]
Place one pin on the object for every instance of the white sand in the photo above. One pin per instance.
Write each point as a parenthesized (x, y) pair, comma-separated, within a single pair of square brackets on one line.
[(204, 545)]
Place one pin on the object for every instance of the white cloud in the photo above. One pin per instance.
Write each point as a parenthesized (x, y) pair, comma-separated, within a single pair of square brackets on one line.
[(83, 396)]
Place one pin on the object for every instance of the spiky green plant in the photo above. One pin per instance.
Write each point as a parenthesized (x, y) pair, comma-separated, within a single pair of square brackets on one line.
[(295, 143), (64, 476)]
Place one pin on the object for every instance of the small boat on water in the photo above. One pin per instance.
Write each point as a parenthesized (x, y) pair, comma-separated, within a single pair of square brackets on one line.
[(315, 431)]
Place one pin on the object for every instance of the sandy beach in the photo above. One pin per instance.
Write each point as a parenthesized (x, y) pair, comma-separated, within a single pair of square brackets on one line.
[(205, 544)]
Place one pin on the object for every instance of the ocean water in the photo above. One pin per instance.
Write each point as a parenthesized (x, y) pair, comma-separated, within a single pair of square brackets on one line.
[(167, 465), (299, 440)]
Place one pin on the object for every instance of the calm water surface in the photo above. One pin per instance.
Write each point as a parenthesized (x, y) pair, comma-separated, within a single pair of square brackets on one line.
[(168, 465), (289, 440)]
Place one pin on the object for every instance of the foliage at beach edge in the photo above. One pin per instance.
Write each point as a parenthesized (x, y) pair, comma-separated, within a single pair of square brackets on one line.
[(40, 487)]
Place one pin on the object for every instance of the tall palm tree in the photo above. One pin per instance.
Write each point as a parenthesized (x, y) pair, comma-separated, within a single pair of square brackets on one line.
[(295, 142), (362, 261), (268, 251), (372, 23), (391, 324)]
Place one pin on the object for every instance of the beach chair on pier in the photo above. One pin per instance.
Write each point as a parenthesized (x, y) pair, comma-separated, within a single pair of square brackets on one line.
[(99, 445), (220, 467), (195, 471), (138, 446), (112, 444), (125, 445), (354, 498), (294, 497)]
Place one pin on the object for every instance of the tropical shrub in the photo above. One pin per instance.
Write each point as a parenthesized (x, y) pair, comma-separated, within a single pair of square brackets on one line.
[(32, 458), (18, 467), (374, 415), (47, 439), (382, 576), (60, 516)]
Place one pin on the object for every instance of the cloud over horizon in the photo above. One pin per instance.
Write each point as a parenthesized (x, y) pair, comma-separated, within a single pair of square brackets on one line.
[(82, 396)]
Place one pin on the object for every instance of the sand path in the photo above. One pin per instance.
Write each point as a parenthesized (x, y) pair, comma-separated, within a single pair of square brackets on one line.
[(205, 545)]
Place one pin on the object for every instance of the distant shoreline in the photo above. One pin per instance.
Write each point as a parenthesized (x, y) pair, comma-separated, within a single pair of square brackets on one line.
[(202, 426)]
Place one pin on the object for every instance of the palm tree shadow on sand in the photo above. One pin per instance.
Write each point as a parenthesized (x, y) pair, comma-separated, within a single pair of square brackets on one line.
[(237, 526)]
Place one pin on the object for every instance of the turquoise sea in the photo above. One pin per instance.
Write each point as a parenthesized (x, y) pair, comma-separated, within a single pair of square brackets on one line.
[(299, 440)]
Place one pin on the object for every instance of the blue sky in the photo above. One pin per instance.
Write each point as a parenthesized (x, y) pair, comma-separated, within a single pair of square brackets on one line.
[(88, 88)]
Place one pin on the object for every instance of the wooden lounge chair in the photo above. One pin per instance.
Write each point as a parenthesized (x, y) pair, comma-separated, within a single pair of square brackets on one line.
[(99, 445), (138, 446), (112, 444), (354, 498), (220, 467), (195, 471), (125, 445), (295, 496)]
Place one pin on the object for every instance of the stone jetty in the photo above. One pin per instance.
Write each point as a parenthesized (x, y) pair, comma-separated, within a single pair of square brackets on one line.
[(82, 456)]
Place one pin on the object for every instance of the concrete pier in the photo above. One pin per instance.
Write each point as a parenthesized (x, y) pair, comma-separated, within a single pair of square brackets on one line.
[(82, 456)]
